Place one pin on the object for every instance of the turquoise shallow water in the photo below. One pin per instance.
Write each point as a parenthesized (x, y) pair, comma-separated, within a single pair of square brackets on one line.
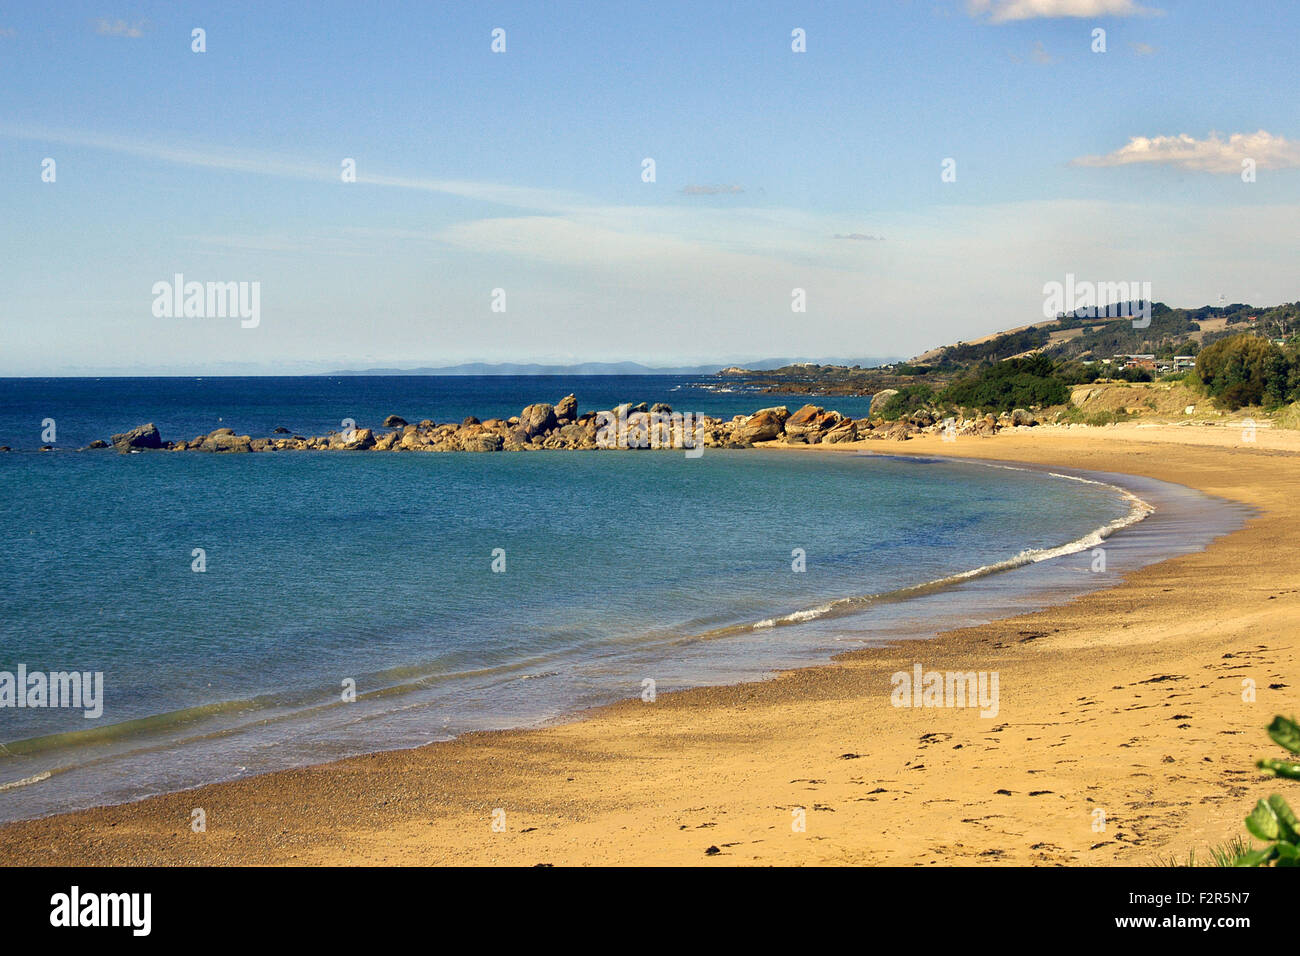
[(377, 568)]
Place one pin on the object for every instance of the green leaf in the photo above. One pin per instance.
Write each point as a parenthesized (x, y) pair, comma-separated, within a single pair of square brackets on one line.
[(1288, 825), (1288, 854), (1281, 768), (1254, 858), (1263, 822), (1286, 733)]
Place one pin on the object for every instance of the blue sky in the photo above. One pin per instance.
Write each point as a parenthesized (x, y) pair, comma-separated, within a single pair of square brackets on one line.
[(522, 171)]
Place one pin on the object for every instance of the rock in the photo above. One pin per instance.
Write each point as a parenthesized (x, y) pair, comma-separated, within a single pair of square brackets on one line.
[(220, 431), (280, 430), (575, 435), (537, 419), (878, 400), (567, 410), (761, 426), (362, 439), (846, 430), (412, 439), (661, 408), (386, 441), (220, 441), (1022, 417), (811, 421), (639, 407), (97, 443), (469, 420), (394, 421), (143, 436), (482, 441)]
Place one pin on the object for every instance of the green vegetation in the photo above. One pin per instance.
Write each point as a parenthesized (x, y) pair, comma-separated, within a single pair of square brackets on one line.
[(999, 347), (1273, 820), (1004, 386), (1249, 370), (1225, 854), (910, 398)]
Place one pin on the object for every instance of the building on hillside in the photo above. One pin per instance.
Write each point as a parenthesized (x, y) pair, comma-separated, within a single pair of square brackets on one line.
[(1183, 362)]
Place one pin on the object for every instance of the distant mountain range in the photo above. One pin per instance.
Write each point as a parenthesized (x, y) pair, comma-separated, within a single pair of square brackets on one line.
[(599, 368)]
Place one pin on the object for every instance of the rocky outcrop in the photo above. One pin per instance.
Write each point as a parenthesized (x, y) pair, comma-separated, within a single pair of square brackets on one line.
[(554, 427), (224, 440), (142, 436), (537, 420)]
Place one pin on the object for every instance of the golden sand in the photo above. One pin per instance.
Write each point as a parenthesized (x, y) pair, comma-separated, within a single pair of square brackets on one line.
[(1128, 700)]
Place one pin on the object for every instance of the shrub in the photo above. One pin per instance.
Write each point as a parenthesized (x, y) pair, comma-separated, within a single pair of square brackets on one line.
[(1004, 386), (1273, 820), (1244, 370)]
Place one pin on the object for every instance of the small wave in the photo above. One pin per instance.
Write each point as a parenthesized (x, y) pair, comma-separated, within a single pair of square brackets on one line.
[(26, 781), (1138, 511)]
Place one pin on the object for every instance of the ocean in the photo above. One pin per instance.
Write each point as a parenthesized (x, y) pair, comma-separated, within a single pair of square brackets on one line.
[(255, 612)]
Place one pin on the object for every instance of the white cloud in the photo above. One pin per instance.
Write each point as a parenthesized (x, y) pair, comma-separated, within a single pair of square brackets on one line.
[(1144, 49), (1212, 154), (119, 28), (1006, 11)]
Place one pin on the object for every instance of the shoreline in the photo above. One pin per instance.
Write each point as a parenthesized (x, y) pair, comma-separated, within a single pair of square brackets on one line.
[(568, 829), (908, 611)]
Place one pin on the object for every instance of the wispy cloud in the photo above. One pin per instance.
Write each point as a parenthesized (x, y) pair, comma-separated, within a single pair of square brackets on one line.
[(859, 236), (1007, 11), (1040, 55), (1212, 154), (265, 164), (120, 28), (1143, 49), (712, 190)]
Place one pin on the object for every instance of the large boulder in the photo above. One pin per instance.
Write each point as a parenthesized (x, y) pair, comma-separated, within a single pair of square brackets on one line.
[(878, 400), (394, 421), (567, 410), (362, 440), (846, 430), (1022, 417), (142, 436), (810, 421), (537, 419), (764, 425)]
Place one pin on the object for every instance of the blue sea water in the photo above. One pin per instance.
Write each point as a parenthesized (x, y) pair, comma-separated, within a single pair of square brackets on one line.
[(325, 570)]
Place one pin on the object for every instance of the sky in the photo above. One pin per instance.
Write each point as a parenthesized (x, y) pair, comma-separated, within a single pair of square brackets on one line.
[(501, 210)]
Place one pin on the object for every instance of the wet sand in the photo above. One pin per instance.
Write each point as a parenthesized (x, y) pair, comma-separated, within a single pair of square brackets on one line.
[(1127, 700)]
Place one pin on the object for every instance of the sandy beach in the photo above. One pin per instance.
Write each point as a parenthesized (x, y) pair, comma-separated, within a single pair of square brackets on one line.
[(1127, 700)]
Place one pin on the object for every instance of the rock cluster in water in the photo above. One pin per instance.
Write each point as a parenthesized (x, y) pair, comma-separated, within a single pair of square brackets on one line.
[(559, 426)]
